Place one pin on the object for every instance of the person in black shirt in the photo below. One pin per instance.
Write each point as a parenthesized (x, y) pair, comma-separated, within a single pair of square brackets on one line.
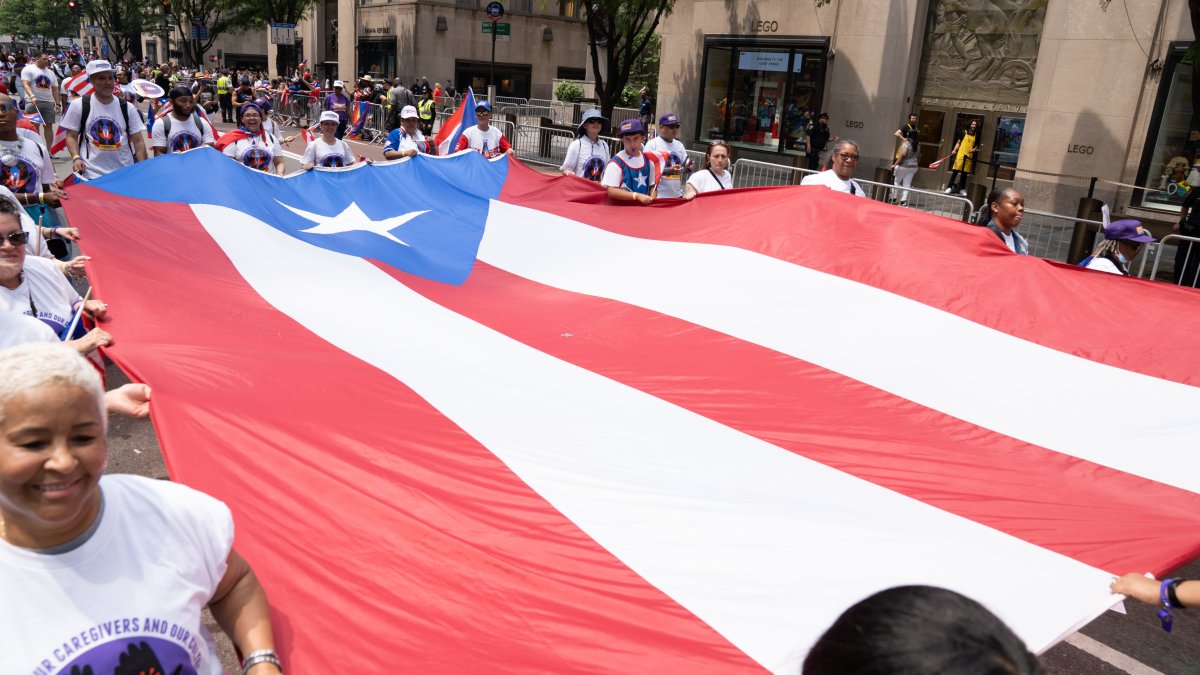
[(1187, 255), (818, 137)]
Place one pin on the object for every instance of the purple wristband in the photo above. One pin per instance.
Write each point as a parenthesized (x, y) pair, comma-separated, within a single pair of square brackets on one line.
[(1164, 614)]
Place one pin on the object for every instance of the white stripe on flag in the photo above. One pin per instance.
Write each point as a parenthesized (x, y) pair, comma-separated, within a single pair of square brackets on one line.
[(935, 358), (762, 544)]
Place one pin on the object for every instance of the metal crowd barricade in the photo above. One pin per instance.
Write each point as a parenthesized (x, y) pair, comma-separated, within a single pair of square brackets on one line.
[(618, 115), (542, 145), (376, 125), (1049, 234), (753, 173), (1157, 251)]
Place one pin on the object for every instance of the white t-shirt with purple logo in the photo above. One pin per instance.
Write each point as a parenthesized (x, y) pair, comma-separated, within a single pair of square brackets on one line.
[(256, 152), (129, 597)]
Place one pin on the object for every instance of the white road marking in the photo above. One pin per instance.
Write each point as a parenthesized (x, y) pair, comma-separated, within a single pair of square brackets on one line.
[(1110, 656)]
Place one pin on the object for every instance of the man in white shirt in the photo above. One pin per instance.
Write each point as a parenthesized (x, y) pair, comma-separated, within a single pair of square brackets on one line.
[(111, 135), (674, 156), (40, 83), (841, 176), (182, 128)]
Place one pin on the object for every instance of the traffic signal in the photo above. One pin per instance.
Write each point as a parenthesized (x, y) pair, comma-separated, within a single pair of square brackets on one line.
[(76, 9)]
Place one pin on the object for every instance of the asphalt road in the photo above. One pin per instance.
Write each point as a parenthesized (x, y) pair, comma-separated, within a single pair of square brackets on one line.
[(1112, 644)]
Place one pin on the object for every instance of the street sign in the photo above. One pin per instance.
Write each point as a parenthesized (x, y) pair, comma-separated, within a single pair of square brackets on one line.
[(495, 10), (199, 32), (283, 33), (501, 28)]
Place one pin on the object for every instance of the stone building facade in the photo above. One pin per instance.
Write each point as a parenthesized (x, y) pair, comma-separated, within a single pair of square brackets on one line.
[(444, 41), (1064, 90)]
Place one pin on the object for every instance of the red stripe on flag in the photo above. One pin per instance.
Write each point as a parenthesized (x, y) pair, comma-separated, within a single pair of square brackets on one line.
[(1100, 516), (920, 258), (413, 534)]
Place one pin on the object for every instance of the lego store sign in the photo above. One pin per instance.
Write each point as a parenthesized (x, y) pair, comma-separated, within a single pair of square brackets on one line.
[(762, 26)]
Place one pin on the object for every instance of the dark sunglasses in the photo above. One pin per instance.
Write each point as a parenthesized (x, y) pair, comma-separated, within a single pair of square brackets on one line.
[(483, 112), (17, 238), (8, 106)]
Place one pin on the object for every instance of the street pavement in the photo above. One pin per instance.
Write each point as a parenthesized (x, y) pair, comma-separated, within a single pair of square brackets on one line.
[(1112, 644)]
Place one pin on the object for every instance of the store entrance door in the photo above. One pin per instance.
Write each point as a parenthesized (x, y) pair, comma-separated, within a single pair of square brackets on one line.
[(998, 139)]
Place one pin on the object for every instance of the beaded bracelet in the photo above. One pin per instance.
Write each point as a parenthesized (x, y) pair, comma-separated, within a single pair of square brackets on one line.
[(260, 656)]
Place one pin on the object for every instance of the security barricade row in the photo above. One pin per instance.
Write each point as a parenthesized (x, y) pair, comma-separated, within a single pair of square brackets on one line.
[(754, 173), (1049, 234), (541, 145), (1174, 259)]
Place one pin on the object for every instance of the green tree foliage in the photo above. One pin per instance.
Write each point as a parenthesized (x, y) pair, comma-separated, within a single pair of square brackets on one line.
[(122, 22), (46, 20), (619, 31), (220, 16), (567, 91), (645, 70), (280, 11)]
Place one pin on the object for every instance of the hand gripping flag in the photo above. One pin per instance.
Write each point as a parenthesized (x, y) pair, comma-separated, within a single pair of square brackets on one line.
[(451, 130), (469, 417), (30, 121)]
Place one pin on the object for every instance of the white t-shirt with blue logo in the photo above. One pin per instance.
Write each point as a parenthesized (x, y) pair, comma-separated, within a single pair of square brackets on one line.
[(329, 155), (185, 134), (103, 138)]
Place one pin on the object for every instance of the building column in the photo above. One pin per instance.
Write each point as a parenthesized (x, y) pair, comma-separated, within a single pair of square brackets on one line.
[(347, 41)]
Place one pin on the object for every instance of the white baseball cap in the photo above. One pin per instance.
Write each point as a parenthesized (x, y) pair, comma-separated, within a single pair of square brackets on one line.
[(329, 116), (99, 66), (338, 83), (408, 112)]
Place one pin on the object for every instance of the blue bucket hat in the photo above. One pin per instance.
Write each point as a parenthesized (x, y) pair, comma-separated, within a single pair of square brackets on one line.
[(593, 114), (484, 105)]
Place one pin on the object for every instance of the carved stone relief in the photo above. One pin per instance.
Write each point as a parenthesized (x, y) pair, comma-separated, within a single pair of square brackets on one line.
[(981, 50)]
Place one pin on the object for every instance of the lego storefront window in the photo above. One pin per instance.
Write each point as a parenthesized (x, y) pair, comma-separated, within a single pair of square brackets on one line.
[(1175, 146)]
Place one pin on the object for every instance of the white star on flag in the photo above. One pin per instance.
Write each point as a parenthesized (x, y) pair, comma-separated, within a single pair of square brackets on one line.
[(352, 219), (641, 181)]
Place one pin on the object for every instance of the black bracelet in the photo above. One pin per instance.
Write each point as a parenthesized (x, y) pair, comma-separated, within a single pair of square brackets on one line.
[(1171, 586)]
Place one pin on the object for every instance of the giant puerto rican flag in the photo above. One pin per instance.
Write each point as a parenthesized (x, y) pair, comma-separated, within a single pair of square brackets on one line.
[(472, 418)]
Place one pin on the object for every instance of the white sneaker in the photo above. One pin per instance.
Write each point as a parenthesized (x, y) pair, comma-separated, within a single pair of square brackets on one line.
[(949, 190), (962, 193)]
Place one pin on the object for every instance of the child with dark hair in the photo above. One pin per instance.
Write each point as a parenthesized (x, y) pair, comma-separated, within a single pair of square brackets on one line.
[(920, 629)]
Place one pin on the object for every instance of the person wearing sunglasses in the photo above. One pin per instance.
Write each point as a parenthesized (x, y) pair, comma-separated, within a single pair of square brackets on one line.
[(674, 155), (35, 287), (840, 177), (28, 168), (1123, 240), (483, 137)]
